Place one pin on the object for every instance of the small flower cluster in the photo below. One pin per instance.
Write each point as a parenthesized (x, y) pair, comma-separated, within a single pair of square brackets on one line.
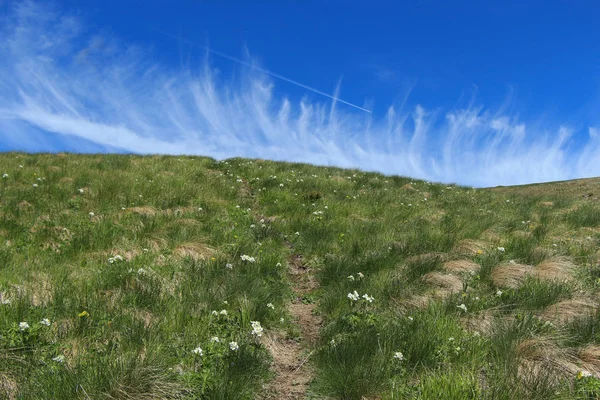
[(222, 312), (114, 259), (583, 374), (462, 307), (215, 339), (257, 330), (354, 296), (360, 276), (247, 258)]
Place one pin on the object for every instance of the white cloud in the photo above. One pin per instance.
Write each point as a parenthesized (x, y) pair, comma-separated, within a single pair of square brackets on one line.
[(75, 87)]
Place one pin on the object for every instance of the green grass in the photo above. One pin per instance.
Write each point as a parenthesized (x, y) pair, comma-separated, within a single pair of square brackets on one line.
[(110, 292)]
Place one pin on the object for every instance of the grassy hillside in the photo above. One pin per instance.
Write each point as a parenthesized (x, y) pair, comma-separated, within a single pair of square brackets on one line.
[(129, 277)]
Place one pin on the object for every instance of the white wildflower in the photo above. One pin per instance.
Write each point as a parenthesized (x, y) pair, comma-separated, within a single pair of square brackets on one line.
[(35, 185), (462, 307), (499, 293), (245, 257), (91, 214), (368, 298), (501, 249), (354, 296), (271, 306), (197, 351), (399, 356), (229, 266), (257, 330), (360, 275), (351, 278), (5, 175), (215, 339), (297, 233), (80, 191), (23, 326), (214, 312), (233, 346), (223, 312), (45, 321), (584, 374), (410, 318), (59, 359)]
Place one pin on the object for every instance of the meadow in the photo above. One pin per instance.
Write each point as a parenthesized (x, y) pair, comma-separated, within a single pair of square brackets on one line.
[(158, 277)]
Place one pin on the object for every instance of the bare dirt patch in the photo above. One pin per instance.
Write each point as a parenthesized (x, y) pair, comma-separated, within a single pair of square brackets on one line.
[(290, 357)]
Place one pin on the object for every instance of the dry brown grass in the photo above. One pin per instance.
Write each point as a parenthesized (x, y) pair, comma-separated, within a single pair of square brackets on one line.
[(145, 382), (482, 323), (195, 250), (541, 356), (461, 266), (416, 302), (24, 205), (556, 269), (491, 236), (444, 284), (39, 288), (146, 211), (470, 247), (8, 386), (569, 310), (427, 257), (590, 359), (511, 275), (157, 243)]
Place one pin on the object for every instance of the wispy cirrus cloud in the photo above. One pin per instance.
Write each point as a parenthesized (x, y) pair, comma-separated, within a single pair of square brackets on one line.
[(62, 87)]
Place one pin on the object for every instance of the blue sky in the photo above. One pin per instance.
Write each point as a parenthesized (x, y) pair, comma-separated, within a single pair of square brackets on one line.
[(478, 93)]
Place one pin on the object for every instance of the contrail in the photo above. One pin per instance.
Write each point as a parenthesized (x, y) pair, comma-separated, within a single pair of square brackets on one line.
[(264, 71)]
